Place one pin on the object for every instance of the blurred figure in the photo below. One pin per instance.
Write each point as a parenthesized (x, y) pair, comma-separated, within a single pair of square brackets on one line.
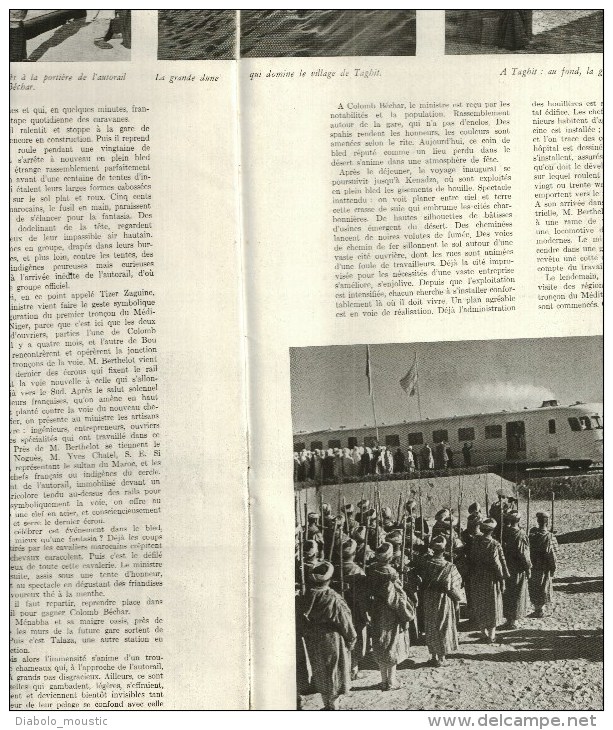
[(427, 459), (410, 462), (391, 612), (466, 453), (120, 24), (17, 36), (441, 592), (543, 555), (517, 555), (488, 574), (399, 461), (329, 636)]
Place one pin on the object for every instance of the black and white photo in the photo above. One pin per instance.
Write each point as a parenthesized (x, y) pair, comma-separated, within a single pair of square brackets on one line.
[(284, 33), (70, 35), (524, 31), (449, 525), (196, 35)]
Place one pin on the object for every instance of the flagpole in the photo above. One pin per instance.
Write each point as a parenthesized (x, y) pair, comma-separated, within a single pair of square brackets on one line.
[(374, 414), (371, 389), (417, 388)]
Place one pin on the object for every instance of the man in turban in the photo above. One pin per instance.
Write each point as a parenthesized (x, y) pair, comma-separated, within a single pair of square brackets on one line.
[(488, 571), (326, 627), (391, 612), (356, 595), (517, 555), (543, 554), (441, 592)]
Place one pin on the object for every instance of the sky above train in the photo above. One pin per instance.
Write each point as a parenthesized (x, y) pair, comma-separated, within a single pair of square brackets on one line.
[(330, 386)]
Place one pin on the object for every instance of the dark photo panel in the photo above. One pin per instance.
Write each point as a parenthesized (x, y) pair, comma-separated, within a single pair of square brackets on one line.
[(196, 35), (282, 33), (523, 31)]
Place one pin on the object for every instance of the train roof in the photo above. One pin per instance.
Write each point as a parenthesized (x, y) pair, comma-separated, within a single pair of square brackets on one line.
[(547, 406)]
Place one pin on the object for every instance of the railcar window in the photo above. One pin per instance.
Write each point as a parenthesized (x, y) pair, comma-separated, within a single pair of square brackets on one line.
[(466, 434), (552, 425), (352, 442), (493, 432), (300, 446), (370, 442), (586, 424), (415, 439), (316, 445), (334, 444), (392, 440), (438, 436), (574, 424), (597, 421)]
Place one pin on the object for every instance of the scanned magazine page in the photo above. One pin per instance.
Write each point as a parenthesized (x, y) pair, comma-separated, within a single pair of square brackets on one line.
[(424, 268), (128, 474), (306, 363)]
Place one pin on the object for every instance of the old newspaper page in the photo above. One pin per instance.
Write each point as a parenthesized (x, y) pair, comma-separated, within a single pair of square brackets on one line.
[(128, 484), (424, 268), (306, 364)]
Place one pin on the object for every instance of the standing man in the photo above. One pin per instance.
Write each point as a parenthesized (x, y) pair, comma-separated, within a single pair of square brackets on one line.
[(500, 507), (350, 522), (487, 576), (399, 461), (543, 554), (329, 635), (468, 535), (391, 612), (466, 449), (517, 555), (410, 460), (427, 459), (421, 529), (363, 554), (441, 592), (314, 532), (440, 455), (356, 596)]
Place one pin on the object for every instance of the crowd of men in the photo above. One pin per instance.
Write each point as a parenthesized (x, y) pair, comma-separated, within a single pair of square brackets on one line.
[(319, 465), (370, 583)]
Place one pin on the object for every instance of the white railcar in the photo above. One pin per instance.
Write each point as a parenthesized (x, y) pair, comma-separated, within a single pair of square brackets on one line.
[(551, 435)]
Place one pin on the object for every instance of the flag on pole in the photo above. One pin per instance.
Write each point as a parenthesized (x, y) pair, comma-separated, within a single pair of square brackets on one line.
[(368, 370), (409, 382)]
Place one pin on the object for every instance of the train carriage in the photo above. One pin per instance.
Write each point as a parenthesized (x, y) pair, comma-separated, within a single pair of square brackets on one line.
[(551, 435)]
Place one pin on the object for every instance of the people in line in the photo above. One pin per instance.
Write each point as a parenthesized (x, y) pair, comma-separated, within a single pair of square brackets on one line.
[(335, 463), (372, 583)]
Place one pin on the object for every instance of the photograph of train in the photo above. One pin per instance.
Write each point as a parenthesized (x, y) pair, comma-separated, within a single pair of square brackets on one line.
[(196, 35), (524, 31), (283, 33), (449, 525), (70, 35)]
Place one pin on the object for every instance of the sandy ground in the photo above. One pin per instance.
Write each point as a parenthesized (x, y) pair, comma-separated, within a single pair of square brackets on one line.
[(74, 41), (553, 663)]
